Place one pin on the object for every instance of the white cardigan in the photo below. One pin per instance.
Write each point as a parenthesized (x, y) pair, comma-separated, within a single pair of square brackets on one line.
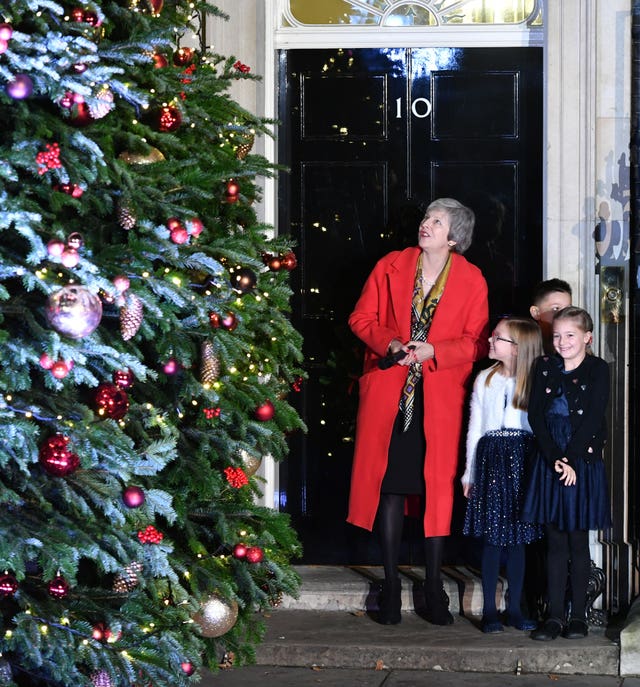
[(491, 408)]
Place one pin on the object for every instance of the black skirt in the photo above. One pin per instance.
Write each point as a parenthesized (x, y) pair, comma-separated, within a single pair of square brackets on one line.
[(405, 462)]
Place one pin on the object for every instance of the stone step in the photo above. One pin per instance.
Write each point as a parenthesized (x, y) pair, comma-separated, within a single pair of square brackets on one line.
[(331, 625)]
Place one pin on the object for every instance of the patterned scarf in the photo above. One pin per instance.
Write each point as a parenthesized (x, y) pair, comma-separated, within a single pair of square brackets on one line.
[(422, 310)]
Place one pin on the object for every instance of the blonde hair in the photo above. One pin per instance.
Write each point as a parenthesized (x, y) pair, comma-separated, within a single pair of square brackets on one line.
[(528, 337), (582, 319)]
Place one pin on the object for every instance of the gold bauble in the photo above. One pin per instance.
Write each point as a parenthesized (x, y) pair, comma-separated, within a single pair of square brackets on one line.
[(154, 155), (216, 616), (250, 464)]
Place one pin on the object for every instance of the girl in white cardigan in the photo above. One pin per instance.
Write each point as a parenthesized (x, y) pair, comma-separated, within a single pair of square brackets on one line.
[(499, 440)]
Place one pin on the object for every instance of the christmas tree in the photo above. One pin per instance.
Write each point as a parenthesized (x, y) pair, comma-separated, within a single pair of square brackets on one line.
[(146, 357)]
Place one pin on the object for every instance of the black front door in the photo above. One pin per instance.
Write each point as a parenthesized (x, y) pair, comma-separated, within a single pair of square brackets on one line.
[(369, 137)]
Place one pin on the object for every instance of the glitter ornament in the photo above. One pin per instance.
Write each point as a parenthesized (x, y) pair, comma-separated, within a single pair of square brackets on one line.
[(209, 363), (265, 412), (131, 315), (121, 282), (6, 674), (216, 616), (128, 580), (133, 497), (111, 401), (101, 679), (123, 379), (8, 585), (243, 280), (126, 218), (152, 156), (245, 148), (74, 311), (255, 554), (56, 458), (104, 105), (168, 118), (58, 587), (20, 87), (250, 464)]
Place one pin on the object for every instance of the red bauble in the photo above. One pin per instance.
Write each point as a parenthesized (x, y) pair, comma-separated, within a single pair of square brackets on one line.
[(187, 668), (179, 235), (46, 361), (170, 367), (160, 61), (6, 31), (243, 279), (275, 263), (58, 587), (183, 57), (156, 6), (239, 550), (60, 369), (55, 248), (111, 401), (70, 257), (55, 457), (82, 115), (8, 585), (254, 554), (195, 226), (265, 412), (123, 379), (289, 261), (229, 322), (169, 118), (215, 320), (75, 240), (121, 282), (233, 189), (173, 223), (133, 497)]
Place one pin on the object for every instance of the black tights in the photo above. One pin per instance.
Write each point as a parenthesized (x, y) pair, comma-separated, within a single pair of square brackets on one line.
[(567, 555), (491, 556), (390, 523)]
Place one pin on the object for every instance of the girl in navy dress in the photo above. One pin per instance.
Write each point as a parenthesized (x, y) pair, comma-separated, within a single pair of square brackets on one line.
[(568, 488), (499, 440)]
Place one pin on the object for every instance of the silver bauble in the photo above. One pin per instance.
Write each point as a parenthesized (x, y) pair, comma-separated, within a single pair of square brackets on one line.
[(250, 464), (216, 616), (74, 311)]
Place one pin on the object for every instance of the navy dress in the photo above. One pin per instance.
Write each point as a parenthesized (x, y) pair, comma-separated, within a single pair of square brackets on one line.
[(566, 413)]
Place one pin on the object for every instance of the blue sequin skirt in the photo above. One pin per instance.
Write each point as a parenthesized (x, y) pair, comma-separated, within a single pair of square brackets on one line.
[(583, 506), (493, 509)]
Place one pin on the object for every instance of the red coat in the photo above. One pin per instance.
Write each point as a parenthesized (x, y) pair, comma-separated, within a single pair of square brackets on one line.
[(458, 333)]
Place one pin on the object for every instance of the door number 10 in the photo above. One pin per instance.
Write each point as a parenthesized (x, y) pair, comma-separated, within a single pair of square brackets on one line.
[(420, 107)]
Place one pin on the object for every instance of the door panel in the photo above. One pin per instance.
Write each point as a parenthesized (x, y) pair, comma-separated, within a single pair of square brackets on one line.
[(370, 136)]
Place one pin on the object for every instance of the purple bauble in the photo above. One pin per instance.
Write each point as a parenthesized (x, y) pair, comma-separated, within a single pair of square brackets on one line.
[(21, 87), (133, 497)]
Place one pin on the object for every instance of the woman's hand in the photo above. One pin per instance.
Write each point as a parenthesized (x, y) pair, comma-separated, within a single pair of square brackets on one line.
[(466, 490), (421, 351), (566, 472)]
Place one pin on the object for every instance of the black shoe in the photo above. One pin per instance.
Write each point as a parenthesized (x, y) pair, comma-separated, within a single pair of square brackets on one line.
[(576, 629), (390, 602), (549, 630), (436, 603)]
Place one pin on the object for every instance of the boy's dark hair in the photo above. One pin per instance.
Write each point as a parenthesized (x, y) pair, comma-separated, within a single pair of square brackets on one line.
[(544, 288)]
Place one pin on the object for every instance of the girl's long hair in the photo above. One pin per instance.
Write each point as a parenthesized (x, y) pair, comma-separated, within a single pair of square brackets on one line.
[(527, 335)]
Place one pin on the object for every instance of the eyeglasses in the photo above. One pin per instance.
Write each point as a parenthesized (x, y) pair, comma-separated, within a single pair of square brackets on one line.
[(495, 337)]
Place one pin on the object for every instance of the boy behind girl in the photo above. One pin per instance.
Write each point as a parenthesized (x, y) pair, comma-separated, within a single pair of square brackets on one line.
[(549, 296)]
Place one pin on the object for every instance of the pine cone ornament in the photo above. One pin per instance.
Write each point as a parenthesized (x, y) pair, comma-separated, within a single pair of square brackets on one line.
[(127, 581), (131, 316), (209, 364), (101, 679), (245, 148), (126, 219)]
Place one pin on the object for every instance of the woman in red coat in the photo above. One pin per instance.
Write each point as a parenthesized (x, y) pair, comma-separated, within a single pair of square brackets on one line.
[(423, 314)]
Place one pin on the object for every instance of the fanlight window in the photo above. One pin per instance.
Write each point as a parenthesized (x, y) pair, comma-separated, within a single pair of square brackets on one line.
[(419, 13)]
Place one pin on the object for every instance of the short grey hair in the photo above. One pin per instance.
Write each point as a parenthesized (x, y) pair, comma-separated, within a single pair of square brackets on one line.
[(461, 220)]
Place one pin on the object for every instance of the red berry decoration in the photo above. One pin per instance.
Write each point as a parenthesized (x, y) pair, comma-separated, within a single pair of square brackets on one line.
[(255, 554), (8, 585), (58, 587), (123, 379), (236, 477), (240, 550), (111, 401), (265, 412), (133, 497), (169, 118), (210, 413), (150, 535), (55, 457)]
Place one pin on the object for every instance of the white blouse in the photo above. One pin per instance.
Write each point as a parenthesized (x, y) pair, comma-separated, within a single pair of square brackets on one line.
[(491, 408)]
